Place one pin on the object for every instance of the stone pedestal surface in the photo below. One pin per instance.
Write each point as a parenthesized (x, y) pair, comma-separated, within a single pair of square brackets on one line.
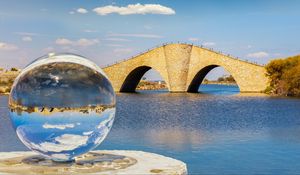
[(94, 163)]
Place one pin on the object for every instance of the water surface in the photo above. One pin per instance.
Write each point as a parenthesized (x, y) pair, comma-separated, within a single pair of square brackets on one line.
[(214, 134)]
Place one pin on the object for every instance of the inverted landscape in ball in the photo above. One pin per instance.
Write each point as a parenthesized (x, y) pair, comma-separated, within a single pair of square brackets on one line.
[(62, 106)]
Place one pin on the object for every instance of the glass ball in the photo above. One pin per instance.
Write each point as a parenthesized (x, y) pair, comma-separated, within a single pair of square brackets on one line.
[(62, 106)]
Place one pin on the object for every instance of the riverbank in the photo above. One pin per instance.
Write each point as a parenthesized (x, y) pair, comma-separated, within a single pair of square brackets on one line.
[(6, 80), (157, 85), (228, 83), (151, 85)]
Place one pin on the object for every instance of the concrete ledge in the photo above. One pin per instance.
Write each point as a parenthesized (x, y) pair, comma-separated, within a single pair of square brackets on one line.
[(95, 162)]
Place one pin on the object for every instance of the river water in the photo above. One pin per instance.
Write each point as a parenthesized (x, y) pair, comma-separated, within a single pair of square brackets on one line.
[(218, 131)]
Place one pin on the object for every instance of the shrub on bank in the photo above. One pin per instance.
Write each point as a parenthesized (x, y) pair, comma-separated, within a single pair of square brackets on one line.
[(284, 76), (4, 90)]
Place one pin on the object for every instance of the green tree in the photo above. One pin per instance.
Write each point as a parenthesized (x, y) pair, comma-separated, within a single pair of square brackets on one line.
[(14, 69), (221, 79), (229, 78)]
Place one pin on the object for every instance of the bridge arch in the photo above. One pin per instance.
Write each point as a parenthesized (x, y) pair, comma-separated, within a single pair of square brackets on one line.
[(198, 78), (134, 77), (179, 65)]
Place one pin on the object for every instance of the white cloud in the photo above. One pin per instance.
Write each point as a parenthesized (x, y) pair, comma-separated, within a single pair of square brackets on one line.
[(26, 38), (71, 12), (49, 49), (135, 9), (122, 50), (258, 55), (69, 49), (136, 35), (116, 39), (63, 41), (80, 42), (193, 39), (87, 133), (209, 44), (7, 47), (61, 156), (82, 10), (86, 42), (114, 45), (62, 127), (249, 46), (27, 34), (65, 142), (90, 31)]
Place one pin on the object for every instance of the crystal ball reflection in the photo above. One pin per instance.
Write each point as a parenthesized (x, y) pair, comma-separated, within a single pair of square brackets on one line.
[(62, 106)]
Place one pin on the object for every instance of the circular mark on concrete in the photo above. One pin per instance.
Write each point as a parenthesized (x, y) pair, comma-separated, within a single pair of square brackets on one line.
[(91, 162)]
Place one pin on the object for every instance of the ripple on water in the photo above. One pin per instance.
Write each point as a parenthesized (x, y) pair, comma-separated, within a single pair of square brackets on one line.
[(227, 134)]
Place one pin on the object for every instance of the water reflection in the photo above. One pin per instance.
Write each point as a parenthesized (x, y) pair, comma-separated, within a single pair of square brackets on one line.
[(182, 139), (217, 89), (232, 134), (175, 138)]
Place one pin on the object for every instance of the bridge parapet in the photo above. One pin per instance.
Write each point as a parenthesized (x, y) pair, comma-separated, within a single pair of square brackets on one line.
[(192, 44)]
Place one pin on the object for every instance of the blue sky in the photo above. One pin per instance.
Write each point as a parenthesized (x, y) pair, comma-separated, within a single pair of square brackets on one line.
[(256, 30)]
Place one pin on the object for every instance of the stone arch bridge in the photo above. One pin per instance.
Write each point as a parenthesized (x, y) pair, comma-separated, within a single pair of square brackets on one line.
[(183, 67)]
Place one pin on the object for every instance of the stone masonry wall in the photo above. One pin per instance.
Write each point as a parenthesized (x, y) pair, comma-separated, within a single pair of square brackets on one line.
[(179, 63)]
